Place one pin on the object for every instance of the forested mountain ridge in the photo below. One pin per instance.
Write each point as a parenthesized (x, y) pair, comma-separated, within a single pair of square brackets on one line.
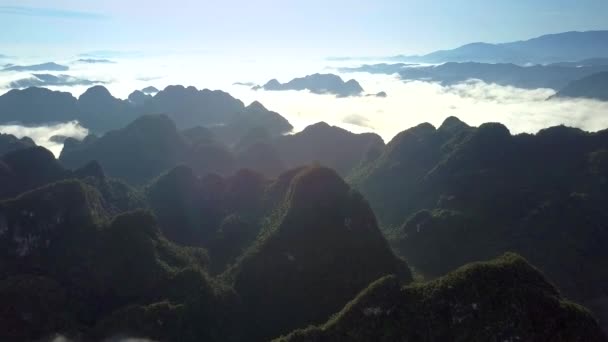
[(185, 253)]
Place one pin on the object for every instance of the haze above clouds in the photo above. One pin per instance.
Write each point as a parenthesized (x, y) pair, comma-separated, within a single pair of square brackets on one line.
[(407, 104), (214, 45)]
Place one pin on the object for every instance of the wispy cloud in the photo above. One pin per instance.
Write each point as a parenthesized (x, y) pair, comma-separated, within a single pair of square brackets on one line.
[(111, 54), (46, 80), (50, 12)]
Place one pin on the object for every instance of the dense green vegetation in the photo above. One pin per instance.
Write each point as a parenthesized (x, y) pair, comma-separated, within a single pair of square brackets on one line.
[(456, 194), (323, 236), (505, 299), (75, 248), (152, 145), (194, 248)]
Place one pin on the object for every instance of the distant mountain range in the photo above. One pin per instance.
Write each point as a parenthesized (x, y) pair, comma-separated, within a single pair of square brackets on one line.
[(531, 77), (550, 61), (100, 112), (552, 48), (37, 67), (554, 76), (591, 87)]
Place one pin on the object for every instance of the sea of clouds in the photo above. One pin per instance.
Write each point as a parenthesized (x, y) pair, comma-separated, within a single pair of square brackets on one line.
[(408, 103)]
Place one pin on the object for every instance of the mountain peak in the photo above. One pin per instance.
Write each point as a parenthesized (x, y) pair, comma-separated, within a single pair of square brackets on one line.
[(97, 92), (257, 106), (453, 124), (317, 186)]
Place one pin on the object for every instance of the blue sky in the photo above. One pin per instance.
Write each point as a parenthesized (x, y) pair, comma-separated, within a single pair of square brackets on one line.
[(311, 27)]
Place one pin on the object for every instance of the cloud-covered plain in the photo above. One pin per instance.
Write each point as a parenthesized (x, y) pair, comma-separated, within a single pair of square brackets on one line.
[(42, 134), (414, 102), (408, 103)]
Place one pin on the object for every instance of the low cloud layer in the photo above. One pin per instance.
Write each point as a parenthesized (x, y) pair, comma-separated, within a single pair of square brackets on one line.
[(407, 104), (48, 80), (412, 103), (43, 135)]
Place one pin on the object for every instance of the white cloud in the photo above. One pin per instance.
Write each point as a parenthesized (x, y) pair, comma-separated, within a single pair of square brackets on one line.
[(407, 103), (42, 134), (411, 103)]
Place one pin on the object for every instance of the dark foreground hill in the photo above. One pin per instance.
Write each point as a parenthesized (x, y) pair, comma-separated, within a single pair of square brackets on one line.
[(70, 266), (67, 267), (505, 299), (321, 234), (78, 260), (455, 194), (9, 143)]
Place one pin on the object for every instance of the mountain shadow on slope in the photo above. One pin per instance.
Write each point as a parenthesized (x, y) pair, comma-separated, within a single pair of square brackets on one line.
[(144, 149), (317, 251), (10, 143), (58, 239), (330, 146)]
